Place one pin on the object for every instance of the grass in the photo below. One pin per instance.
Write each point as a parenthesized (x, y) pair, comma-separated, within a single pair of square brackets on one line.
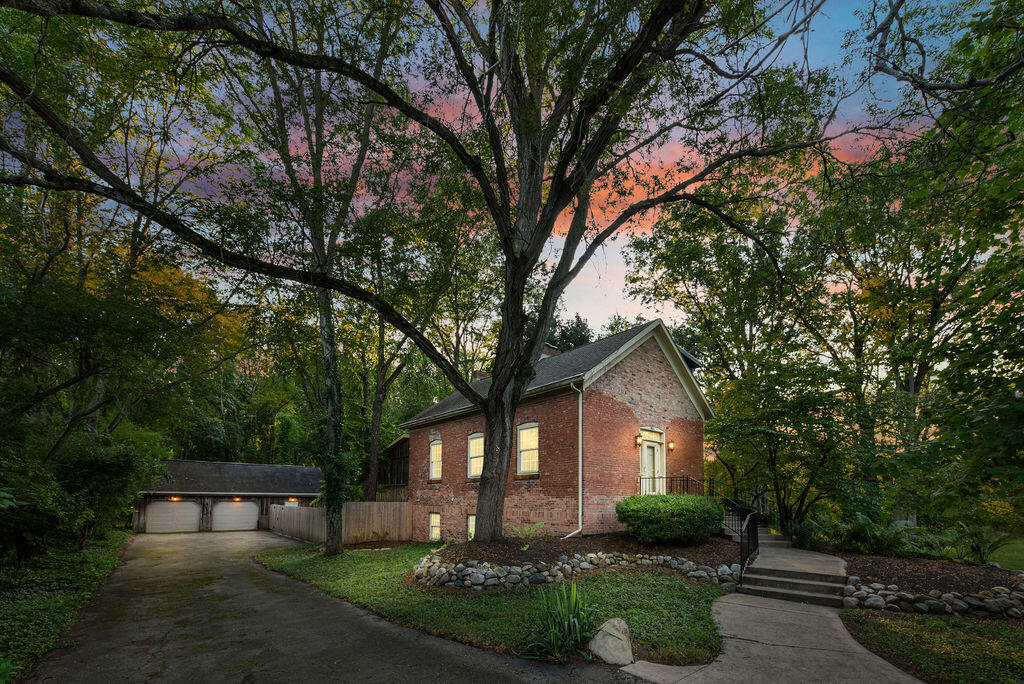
[(943, 649), (669, 617), (38, 601), (1011, 556)]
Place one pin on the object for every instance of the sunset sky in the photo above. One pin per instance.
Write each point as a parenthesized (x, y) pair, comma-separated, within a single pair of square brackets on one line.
[(599, 291)]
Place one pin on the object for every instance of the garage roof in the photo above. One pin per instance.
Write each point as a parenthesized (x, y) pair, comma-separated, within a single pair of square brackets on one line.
[(220, 477)]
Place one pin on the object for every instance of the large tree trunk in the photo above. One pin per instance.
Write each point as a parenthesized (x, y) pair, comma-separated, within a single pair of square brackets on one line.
[(499, 418)]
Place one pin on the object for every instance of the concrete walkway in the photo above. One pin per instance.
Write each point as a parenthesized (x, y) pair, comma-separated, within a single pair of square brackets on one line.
[(767, 640)]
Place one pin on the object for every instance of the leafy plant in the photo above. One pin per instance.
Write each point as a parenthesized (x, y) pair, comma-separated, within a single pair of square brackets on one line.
[(684, 518), (864, 535), (526, 533), (979, 542), (565, 624)]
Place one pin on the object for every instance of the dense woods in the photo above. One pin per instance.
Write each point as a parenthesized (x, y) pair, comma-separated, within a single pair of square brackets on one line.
[(271, 232)]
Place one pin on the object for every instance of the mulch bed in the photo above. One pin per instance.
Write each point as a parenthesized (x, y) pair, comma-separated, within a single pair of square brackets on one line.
[(921, 575), (712, 551)]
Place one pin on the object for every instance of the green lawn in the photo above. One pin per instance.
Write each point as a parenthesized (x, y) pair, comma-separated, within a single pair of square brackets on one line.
[(1011, 556), (943, 649), (669, 617), (38, 602)]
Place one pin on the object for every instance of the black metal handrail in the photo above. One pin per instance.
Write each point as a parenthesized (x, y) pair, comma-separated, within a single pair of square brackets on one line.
[(748, 541), (676, 484)]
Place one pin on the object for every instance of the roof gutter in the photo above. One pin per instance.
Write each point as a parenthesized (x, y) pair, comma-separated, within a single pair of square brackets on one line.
[(579, 461)]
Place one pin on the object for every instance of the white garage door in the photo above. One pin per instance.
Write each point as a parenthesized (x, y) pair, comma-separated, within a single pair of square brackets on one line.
[(235, 515), (172, 516)]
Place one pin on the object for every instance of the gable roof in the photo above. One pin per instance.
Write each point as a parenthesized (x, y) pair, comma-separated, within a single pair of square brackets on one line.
[(584, 363), (219, 477)]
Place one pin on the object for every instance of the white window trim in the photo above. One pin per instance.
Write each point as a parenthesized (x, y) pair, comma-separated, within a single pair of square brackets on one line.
[(470, 528), (519, 449), (430, 527), (430, 461), (469, 466)]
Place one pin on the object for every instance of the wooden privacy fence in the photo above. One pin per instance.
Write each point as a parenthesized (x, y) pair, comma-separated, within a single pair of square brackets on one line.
[(364, 521)]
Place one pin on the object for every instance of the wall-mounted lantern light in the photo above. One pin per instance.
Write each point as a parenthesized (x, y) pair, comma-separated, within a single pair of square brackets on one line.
[(639, 439), (238, 498), (292, 498), (671, 446), (175, 498)]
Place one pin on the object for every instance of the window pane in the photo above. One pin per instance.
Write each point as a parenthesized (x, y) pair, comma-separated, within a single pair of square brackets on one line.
[(476, 455), (528, 449), (470, 526), (435, 527)]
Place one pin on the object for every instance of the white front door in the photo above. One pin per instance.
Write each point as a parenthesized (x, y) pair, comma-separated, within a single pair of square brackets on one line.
[(652, 468)]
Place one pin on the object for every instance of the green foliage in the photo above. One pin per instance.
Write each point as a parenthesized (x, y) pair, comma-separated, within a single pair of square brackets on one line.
[(669, 617), (682, 518), (864, 535), (526, 533), (979, 542), (38, 600), (564, 624), (943, 649)]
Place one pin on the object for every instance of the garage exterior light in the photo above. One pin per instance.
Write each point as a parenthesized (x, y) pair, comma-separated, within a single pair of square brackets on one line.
[(175, 498)]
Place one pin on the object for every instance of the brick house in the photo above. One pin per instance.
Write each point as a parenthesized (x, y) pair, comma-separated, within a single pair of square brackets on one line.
[(626, 407)]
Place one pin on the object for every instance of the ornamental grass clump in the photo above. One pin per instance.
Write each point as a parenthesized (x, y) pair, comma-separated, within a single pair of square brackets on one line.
[(565, 623), (676, 518)]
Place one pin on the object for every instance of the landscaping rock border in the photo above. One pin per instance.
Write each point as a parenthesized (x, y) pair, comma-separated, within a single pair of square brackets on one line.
[(480, 575), (997, 601)]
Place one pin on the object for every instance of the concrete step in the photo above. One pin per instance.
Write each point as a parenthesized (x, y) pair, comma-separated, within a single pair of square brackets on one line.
[(791, 595), (797, 574), (755, 579)]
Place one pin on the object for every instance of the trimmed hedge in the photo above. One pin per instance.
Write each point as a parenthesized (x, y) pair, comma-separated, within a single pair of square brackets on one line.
[(658, 518)]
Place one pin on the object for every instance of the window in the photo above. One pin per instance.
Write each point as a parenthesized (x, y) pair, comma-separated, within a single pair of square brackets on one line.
[(435, 527), (475, 451), (529, 450), (435, 460), (470, 526)]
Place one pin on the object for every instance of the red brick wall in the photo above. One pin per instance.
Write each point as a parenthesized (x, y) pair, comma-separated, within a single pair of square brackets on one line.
[(640, 391), (550, 498)]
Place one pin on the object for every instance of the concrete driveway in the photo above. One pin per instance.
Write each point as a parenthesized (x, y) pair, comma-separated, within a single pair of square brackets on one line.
[(197, 608)]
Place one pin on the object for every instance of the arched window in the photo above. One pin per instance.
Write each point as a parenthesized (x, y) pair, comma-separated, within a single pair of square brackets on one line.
[(435, 460), (475, 455)]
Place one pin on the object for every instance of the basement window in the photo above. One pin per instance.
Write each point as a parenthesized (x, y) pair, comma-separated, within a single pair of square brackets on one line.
[(470, 526), (435, 526)]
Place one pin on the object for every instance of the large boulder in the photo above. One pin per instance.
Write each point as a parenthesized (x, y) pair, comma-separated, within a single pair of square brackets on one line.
[(611, 643)]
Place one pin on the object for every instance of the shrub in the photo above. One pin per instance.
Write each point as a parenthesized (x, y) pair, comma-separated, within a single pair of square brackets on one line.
[(526, 533), (864, 535), (979, 542), (565, 624), (684, 518)]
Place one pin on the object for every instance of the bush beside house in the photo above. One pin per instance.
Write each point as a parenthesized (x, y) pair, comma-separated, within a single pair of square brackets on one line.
[(683, 518)]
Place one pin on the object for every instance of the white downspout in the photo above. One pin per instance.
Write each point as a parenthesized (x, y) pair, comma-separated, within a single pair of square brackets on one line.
[(579, 461)]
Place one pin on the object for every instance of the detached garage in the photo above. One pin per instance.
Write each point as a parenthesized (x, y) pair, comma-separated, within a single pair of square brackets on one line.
[(213, 496)]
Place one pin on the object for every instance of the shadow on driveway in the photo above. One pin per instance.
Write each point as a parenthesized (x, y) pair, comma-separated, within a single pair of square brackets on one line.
[(196, 607)]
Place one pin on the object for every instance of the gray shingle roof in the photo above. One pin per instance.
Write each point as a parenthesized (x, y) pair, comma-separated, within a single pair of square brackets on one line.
[(192, 477), (551, 372)]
